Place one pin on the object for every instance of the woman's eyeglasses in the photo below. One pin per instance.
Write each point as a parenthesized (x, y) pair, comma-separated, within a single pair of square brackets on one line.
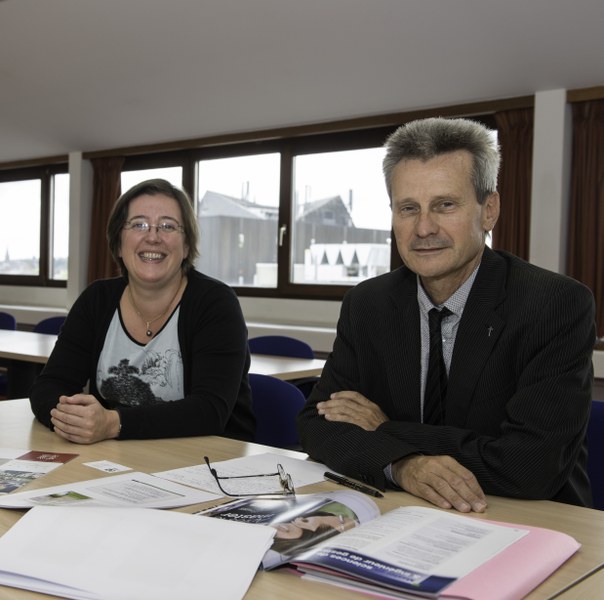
[(164, 228), (261, 483)]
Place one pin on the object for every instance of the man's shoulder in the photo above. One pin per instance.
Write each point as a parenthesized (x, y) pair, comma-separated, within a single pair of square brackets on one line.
[(528, 276), (527, 288)]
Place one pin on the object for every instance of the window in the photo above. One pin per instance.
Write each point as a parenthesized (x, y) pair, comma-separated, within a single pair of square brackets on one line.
[(59, 228), (20, 203), (237, 203), (34, 229), (131, 178), (341, 218)]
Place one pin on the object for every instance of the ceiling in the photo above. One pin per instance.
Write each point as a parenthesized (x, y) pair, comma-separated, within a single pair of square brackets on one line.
[(83, 75)]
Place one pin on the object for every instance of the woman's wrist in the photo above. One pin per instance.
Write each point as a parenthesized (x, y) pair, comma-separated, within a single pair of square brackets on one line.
[(117, 427)]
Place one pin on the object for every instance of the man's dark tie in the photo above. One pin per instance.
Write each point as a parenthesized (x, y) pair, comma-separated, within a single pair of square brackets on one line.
[(436, 380)]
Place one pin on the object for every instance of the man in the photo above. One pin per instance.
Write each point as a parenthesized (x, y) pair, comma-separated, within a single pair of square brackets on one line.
[(508, 410)]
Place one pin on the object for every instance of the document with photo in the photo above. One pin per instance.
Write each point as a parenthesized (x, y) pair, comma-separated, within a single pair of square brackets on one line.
[(20, 467)]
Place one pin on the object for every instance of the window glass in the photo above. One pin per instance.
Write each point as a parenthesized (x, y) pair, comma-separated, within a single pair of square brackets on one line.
[(59, 227), (237, 204), (171, 174), (20, 204), (341, 218)]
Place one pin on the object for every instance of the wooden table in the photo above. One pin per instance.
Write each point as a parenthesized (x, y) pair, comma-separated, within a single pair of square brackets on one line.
[(19, 430), (590, 588), (26, 346), (285, 367), (24, 351)]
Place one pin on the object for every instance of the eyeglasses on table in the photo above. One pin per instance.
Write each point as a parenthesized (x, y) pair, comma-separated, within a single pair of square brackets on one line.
[(284, 481)]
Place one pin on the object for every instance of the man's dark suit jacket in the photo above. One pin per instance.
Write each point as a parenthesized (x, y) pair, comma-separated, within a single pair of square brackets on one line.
[(519, 391)]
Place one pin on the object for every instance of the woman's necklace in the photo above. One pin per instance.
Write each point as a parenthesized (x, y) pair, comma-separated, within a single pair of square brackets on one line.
[(149, 321)]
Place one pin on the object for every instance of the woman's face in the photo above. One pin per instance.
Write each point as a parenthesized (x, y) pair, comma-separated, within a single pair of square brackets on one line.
[(153, 257), (293, 530), (313, 523)]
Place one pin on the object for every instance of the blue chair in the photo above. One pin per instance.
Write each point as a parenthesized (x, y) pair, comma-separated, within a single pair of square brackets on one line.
[(595, 449), (276, 404), (52, 325), (280, 345), (283, 345), (7, 321)]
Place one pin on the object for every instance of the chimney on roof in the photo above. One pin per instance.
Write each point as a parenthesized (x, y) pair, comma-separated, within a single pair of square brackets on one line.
[(245, 191)]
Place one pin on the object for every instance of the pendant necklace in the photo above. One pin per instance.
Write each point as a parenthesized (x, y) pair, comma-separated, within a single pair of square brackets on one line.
[(150, 321)]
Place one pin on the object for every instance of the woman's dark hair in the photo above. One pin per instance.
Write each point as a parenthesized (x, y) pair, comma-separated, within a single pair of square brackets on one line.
[(153, 187), (308, 537)]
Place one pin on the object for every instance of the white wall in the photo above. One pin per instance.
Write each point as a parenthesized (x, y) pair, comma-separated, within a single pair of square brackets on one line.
[(315, 321), (550, 193)]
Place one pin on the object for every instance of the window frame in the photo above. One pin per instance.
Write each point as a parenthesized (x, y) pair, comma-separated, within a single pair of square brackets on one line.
[(45, 173)]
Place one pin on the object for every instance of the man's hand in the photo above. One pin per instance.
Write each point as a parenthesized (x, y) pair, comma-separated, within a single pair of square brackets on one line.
[(352, 407), (440, 480), (83, 420)]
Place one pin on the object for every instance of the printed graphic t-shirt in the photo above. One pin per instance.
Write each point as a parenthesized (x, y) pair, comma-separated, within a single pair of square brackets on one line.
[(134, 374)]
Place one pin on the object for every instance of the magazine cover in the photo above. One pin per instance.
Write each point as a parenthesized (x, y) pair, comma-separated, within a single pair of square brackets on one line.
[(300, 521)]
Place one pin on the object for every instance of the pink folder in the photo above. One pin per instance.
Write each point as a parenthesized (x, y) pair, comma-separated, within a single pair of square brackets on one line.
[(513, 573)]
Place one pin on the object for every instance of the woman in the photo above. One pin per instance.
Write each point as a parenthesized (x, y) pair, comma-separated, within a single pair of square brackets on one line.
[(162, 348)]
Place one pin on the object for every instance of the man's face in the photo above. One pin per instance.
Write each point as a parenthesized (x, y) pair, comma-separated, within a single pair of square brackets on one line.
[(438, 223)]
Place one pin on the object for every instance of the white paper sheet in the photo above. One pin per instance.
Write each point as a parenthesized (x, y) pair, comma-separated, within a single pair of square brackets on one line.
[(131, 553), (127, 489), (303, 472)]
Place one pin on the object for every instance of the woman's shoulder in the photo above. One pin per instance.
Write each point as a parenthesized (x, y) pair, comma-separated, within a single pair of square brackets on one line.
[(202, 283), (104, 289), (208, 298)]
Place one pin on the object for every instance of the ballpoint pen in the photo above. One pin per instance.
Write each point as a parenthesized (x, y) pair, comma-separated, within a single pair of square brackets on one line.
[(352, 484)]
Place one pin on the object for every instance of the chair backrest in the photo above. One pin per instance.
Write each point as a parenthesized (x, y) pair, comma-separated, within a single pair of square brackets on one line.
[(51, 325), (276, 404), (7, 321), (595, 449), (280, 345)]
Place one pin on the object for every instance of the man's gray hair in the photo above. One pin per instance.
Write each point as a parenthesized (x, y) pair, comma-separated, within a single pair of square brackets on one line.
[(427, 138)]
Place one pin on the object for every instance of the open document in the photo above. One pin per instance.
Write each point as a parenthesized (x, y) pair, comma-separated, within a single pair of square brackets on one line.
[(424, 552), (127, 489), (130, 554), (299, 522)]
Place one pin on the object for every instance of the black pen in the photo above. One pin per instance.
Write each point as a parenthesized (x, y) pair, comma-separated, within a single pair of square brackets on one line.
[(359, 487)]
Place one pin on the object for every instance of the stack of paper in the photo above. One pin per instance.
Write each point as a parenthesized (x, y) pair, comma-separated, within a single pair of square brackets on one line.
[(130, 553)]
